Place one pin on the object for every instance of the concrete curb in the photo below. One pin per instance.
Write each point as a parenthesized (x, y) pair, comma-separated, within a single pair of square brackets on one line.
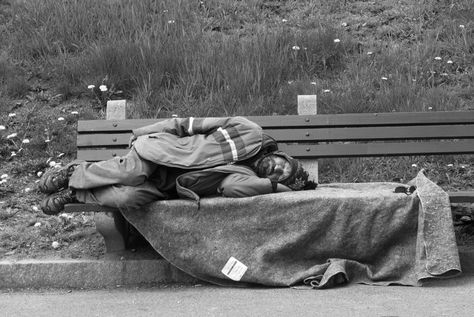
[(89, 274), (114, 272)]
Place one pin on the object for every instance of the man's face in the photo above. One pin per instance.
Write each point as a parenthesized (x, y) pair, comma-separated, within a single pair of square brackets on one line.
[(275, 168)]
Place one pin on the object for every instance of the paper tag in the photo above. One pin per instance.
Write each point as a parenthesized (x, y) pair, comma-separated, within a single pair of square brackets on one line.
[(234, 269)]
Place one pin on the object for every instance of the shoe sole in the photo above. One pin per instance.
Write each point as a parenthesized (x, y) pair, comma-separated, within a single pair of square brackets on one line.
[(51, 206), (48, 207)]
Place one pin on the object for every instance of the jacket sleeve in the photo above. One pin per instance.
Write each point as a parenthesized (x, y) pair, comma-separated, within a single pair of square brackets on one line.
[(190, 126), (239, 185)]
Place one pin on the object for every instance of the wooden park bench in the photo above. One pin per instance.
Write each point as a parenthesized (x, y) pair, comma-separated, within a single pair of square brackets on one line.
[(307, 136)]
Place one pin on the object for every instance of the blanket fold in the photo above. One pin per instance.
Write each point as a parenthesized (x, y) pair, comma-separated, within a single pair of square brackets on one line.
[(337, 233)]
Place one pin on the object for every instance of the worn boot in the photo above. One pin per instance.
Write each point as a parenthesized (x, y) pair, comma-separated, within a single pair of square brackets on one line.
[(54, 203), (56, 179)]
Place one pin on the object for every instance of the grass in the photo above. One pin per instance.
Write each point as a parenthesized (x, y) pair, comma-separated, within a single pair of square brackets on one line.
[(223, 57)]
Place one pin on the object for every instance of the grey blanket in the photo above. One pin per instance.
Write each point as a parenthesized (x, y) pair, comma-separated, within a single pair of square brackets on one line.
[(337, 233)]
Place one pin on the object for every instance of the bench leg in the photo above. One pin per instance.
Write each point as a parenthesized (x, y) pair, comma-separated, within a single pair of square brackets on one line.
[(113, 227)]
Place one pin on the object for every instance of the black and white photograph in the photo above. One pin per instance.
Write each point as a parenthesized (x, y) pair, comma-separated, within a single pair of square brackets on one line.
[(236, 158)]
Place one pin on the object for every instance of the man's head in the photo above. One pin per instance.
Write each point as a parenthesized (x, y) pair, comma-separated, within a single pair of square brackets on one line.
[(282, 168)]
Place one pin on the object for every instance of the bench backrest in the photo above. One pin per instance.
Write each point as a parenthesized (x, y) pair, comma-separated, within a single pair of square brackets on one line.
[(319, 136)]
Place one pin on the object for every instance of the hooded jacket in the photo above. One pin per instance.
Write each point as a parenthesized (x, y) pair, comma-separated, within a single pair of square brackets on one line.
[(208, 147), (198, 143)]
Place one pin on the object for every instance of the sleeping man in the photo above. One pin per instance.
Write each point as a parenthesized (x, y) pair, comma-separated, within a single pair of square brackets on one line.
[(179, 157)]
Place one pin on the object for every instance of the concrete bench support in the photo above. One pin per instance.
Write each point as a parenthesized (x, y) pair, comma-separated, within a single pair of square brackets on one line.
[(113, 227)]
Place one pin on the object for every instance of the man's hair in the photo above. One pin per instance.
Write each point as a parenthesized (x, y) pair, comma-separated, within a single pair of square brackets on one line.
[(298, 178)]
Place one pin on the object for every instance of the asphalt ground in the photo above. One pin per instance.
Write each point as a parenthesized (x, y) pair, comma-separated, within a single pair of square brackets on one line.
[(451, 297)]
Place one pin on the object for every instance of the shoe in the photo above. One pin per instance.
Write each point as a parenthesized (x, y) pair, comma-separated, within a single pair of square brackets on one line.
[(54, 203), (56, 179)]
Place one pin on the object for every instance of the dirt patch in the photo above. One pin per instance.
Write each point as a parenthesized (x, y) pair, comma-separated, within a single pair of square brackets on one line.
[(30, 235)]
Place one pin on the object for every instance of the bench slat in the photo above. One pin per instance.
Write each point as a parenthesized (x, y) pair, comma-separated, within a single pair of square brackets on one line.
[(378, 149), (318, 135), (321, 120), (103, 139), (331, 150), (461, 197), (374, 133)]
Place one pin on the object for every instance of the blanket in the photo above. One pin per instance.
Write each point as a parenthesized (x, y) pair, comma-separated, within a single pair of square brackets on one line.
[(337, 233)]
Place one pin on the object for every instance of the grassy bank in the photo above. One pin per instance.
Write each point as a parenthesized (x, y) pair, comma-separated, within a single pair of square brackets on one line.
[(227, 57)]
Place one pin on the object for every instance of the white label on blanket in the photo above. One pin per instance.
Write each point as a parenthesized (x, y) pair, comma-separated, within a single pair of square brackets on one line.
[(234, 269)]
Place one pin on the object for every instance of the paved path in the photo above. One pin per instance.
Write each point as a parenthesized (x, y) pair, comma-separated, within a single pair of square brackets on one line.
[(452, 297)]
